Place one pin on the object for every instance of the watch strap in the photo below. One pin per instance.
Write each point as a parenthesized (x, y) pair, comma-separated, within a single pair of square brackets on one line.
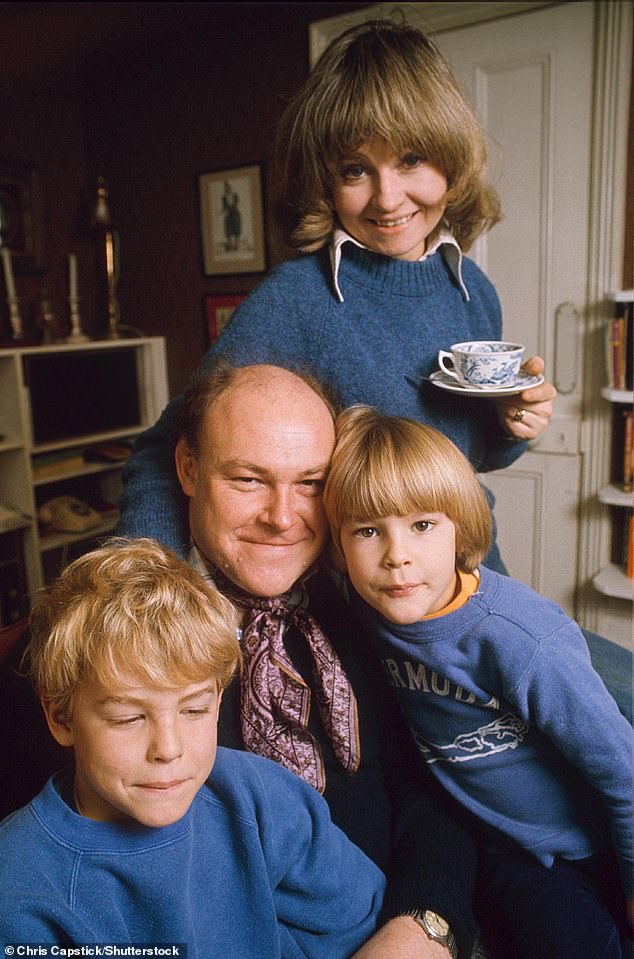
[(447, 939)]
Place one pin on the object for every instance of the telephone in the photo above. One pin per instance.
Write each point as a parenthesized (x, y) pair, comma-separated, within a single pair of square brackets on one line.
[(68, 514)]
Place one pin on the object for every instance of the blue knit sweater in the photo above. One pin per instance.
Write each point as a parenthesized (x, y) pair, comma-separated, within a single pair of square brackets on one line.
[(512, 719), (378, 346), (232, 879)]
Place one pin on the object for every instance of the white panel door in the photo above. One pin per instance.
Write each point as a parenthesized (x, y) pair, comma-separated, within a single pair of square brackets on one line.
[(530, 80)]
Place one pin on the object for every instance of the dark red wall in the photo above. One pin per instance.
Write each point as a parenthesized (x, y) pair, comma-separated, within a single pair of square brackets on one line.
[(147, 95)]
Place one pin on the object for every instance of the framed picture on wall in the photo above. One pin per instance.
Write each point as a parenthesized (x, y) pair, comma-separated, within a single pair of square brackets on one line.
[(21, 217), (218, 312), (232, 220)]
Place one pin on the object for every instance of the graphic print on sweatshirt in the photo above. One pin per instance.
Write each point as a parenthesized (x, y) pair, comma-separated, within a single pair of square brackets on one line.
[(505, 732), (452, 711)]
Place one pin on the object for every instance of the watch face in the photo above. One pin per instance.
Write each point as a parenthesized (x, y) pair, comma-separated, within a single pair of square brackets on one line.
[(437, 925)]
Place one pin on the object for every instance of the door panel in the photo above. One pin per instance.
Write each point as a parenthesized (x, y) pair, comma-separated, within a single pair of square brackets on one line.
[(530, 80)]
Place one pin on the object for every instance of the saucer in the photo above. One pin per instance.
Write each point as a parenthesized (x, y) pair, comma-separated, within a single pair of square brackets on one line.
[(524, 381)]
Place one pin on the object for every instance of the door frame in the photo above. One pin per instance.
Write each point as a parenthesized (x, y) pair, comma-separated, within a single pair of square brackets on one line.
[(606, 230)]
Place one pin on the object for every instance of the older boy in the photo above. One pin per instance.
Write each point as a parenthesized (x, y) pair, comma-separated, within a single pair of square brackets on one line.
[(157, 836)]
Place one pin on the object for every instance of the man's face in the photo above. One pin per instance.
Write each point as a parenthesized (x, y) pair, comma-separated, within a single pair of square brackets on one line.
[(255, 488), (141, 752)]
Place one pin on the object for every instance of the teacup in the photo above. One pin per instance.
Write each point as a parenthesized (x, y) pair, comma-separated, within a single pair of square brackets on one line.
[(482, 363)]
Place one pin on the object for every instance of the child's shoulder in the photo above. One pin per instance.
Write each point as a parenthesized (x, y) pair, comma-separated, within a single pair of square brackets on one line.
[(25, 834), (30, 817), (14, 824), (252, 790), (519, 603), (253, 782)]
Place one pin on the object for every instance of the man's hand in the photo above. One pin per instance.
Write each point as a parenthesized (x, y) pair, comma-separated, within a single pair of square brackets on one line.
[(401, 938), (527, 414)]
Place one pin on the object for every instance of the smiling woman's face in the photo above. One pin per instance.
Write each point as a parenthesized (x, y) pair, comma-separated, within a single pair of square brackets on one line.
[(387, 202)]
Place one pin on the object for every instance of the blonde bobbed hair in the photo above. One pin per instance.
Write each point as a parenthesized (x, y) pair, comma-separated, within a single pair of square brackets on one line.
[(129, 606), (380, 80), (392, 466)]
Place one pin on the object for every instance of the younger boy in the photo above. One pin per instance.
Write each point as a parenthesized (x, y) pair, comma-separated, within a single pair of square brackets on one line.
[(497, 686), (157, 836)]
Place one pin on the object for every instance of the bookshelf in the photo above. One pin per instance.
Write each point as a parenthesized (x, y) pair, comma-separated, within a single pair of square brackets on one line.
[(616, 580), (78, 460)]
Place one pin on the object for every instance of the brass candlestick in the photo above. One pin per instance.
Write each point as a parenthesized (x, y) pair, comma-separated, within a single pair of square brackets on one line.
[(112, 273), (101, 219)]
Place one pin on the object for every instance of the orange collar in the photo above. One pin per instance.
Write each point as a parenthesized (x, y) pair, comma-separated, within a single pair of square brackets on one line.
[(469, 583)]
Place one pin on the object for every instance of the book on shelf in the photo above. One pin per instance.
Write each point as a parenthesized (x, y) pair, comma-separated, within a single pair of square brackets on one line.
[(62, 462), (51, 465), (628, 451), (117, 451), (619, 348), (628, 552)]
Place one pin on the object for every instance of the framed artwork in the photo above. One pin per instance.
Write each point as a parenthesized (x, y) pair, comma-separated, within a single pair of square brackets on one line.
[(21, 217), (232, 220), (218, 312)]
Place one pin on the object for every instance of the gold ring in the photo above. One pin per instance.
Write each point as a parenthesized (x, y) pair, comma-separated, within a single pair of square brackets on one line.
[(518, 415)]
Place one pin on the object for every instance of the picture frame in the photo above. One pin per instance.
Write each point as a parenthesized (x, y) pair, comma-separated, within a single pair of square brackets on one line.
[(218, 311), (232, 220), (21, 217)]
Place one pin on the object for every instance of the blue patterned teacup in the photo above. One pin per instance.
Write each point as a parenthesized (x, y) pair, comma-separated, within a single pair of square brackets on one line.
[(482, 363)]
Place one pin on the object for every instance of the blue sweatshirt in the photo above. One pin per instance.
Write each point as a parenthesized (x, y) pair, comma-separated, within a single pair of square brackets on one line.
[(378, 346), (510, 716), (254, 870)]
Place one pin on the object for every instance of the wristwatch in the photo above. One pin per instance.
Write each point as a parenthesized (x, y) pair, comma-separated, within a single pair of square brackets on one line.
[(435, 928)]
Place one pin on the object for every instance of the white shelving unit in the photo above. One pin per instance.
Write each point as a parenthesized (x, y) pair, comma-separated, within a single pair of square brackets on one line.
[(23, 487), (612, 581), (615, 496)]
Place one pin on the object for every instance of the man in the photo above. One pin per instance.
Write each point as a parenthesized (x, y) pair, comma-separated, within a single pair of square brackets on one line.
[(252, 459)]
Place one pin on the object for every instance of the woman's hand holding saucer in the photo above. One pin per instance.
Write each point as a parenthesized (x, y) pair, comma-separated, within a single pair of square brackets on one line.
[(525, 415)]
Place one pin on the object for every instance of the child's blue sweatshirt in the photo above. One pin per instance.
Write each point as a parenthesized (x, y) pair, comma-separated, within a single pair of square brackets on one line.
[(254, 870), (511, 717)]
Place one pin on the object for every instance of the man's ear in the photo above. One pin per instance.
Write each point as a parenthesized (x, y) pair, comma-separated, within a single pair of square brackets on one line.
[(186, 467), (60, 726)]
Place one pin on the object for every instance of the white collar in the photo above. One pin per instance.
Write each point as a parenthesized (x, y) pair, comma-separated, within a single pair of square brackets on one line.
[(195, 558), (451, 252)]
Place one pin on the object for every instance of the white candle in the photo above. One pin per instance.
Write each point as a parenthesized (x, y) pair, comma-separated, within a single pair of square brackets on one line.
[(72, 276), (8, 273)]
